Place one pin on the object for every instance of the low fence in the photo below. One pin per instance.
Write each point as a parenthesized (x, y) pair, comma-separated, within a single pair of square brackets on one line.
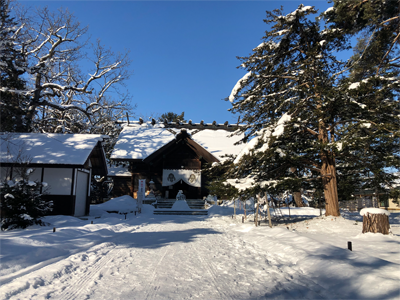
[(357, 204)]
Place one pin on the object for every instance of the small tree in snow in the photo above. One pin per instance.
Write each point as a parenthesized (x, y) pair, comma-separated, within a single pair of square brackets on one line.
[(21, 202)]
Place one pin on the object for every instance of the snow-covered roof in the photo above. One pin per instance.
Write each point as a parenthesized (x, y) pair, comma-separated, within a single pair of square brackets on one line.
[(140, 141), (47, 148), (218, 142), (118, 171)]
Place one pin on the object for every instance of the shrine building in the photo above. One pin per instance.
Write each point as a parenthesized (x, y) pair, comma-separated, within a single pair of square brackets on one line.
[(170, 156)]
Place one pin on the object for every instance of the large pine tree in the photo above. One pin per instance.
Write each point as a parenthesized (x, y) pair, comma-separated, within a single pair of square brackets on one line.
[(305, 114), (12, 67)]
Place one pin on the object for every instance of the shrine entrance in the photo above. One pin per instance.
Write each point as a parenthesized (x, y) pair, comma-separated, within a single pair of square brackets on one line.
[(186, 180), (190, 192)]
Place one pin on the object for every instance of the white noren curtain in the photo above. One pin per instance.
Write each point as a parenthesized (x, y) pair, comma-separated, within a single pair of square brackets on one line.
[(191, 177)]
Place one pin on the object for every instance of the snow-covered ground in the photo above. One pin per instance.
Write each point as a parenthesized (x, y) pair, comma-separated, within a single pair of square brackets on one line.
[(150, 256)]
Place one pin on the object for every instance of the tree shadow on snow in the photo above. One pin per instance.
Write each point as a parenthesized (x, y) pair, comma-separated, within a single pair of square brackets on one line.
[(153, 239)]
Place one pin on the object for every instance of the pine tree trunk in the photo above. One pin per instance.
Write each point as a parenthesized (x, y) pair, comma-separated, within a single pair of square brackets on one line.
[(328, 172), (297, 199), (376, 223), (330, 188)]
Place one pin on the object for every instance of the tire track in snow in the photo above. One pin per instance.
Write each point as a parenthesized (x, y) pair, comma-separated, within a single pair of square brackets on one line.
[(151, 287), (76, 288), (211, 271)]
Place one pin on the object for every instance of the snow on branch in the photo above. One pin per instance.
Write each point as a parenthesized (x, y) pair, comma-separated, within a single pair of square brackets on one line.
[(280, 126), (238, 86)]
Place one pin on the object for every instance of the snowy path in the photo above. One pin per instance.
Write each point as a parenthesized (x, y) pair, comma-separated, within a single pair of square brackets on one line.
[(183, 260), (202, 258)]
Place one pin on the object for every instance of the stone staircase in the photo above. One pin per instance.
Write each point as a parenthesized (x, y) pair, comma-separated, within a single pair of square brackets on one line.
[(192, 203), (181, 212), (163, 207)]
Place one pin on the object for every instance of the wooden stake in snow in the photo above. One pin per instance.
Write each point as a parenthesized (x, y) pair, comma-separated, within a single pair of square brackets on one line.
[(258, 205), (244, 207), (375, 220), (268, 212)]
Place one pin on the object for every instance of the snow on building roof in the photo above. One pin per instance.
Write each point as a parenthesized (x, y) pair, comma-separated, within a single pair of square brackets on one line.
[(218, 142), (118, 171), (140, 141), (47, 148)]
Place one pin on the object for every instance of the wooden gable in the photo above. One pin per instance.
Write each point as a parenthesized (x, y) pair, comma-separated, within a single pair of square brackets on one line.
[(181, 152)]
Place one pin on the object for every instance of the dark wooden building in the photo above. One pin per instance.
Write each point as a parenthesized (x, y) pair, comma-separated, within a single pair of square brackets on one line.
[(170, 155)]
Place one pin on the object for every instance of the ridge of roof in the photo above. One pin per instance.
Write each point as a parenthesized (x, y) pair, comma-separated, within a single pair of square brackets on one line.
[(188, 125), (138, 141)]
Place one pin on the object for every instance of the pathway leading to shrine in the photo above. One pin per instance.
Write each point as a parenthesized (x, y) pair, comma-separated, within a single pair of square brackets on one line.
[(195, 257)]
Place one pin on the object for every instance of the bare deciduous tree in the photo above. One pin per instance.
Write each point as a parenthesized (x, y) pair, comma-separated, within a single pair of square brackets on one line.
[(68, 90)]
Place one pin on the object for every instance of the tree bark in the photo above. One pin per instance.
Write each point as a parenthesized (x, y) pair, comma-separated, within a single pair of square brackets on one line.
[(297, 199), (329, 182), (376, 223), (328, 172)]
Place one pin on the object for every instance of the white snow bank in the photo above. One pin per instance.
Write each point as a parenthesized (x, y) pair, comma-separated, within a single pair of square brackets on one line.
[(373, 210), (123, 204)]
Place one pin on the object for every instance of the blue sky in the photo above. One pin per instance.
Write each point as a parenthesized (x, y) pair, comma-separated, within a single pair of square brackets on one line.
[(183, 52)]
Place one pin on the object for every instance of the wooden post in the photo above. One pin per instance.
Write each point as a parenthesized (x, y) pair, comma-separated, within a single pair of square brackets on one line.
[(244, 206), (320, 208), (258, 204), (349, 246), (268, 212)]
